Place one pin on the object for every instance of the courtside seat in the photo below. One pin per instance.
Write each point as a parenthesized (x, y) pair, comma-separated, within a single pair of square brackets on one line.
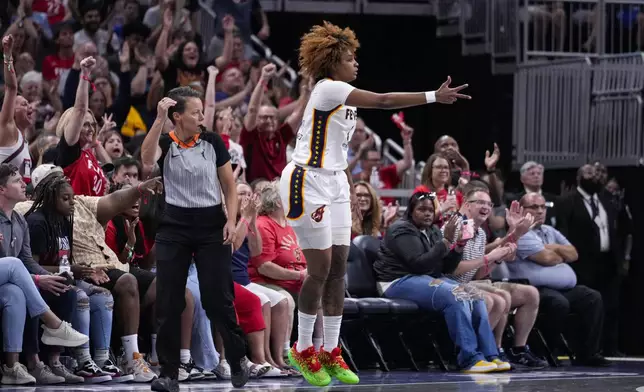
[(350, 307), (369, 246)]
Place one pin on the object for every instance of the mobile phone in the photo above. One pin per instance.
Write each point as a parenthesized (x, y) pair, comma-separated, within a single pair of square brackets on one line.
[(467, 229), (69, 280)]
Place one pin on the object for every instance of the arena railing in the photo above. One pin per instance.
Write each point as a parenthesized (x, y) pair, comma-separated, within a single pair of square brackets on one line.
[(372, 7), (578, 28), (573, 111), (208, 24)]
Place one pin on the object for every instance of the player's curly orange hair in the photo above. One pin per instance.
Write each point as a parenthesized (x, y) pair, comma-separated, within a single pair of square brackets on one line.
[(323, 47)]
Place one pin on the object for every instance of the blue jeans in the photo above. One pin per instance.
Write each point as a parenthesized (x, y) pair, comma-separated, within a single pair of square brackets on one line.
[(13, 271), (14, 314), (93, 316), (466, 317), (202, 346)]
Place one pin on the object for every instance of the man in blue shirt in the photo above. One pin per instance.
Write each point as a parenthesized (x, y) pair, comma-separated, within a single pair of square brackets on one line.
[(543, 255)]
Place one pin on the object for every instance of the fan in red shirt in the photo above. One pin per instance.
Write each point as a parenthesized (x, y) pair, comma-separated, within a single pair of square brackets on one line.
[(265, 142), (77, 129), (55, 10), (388, 176), (63, 59), (281, 262)]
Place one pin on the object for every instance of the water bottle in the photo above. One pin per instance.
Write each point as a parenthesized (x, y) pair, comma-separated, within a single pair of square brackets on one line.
[(374, 180), (64, 266)]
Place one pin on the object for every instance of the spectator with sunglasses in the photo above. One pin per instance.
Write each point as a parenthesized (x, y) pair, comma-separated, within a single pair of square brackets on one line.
[(414, 256)]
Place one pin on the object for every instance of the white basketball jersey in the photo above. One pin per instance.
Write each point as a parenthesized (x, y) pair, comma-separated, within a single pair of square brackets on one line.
[(323, 138)]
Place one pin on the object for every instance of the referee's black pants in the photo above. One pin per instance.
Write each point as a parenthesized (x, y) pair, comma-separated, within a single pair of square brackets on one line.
[(185, 233)]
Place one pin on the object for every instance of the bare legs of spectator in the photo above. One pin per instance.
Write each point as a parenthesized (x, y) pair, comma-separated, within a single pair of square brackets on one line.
[(497, 310), (525, 299), (266, 313), (544, 20), (279, 319)]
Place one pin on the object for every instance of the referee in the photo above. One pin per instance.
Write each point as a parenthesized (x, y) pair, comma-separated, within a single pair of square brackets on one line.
[(196, 168)]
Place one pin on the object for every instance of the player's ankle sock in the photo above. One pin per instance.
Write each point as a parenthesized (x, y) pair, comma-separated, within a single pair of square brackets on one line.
[(332, 326), (306, 323)]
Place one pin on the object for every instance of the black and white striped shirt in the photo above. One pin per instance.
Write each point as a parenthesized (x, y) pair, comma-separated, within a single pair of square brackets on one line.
[(474, 249), (189, 169)]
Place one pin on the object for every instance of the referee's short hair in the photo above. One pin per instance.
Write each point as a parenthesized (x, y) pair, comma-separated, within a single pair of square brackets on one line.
[(179, 95)]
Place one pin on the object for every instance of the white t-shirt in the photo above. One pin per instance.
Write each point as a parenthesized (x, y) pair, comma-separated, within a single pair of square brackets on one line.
[(323, 138), (22, 160)]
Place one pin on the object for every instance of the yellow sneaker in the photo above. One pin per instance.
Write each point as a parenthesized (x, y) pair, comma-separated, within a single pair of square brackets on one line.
[(501, 366), (481, 367)]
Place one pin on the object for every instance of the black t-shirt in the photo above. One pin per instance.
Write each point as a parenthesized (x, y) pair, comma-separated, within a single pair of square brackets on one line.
[(67, 154), (41, 246)]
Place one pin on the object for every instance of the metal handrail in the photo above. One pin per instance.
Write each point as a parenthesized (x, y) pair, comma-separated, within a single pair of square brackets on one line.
[(265, 51)]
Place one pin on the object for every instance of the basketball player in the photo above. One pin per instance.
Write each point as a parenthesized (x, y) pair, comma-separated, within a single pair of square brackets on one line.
[(317, 190), (16, 117)]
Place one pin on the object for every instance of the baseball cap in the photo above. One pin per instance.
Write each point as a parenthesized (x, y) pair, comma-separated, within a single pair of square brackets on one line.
[(43, 171)]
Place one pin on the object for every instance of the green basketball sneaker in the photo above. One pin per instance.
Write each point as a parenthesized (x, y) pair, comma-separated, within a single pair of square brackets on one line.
[(336, 367), (308, 364)]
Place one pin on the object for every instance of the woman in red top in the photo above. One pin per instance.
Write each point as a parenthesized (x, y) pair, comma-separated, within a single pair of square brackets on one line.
[(436, 177), (77, 129), (281, 266)]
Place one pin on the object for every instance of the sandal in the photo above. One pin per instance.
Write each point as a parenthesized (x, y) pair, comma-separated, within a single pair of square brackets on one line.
[(292, 372), (257, 371), (275, 372)]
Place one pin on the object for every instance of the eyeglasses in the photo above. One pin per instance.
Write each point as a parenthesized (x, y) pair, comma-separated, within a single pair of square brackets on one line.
[(482, 203), (425, 195), (365, 195), (440, 167), (536, 207)]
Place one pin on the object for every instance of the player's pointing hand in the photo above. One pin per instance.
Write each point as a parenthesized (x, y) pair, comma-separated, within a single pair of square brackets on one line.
[(449, 95)]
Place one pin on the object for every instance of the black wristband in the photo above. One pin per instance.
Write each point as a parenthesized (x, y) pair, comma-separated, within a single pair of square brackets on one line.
[(490, 171)]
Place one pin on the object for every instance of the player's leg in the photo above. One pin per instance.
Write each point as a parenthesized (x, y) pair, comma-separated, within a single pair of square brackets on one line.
[(310, 219), (333, 294)]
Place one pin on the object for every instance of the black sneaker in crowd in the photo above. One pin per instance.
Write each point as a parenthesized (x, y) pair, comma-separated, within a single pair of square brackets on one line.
[(240, 373), (593, 361), (92, 373), (525, 359), (190, 372), (165, 384)]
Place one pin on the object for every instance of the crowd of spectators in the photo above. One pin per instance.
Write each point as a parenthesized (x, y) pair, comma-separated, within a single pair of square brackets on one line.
[(79, 212)]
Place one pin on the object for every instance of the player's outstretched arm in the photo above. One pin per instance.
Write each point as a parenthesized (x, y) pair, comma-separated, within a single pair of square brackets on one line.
[(367, 99)]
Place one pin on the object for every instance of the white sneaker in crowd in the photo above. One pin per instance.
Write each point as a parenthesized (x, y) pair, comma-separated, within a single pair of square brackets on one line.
[(222, 371), (139, 369), (70, 378), (16, 375), (64, 335), (44, 376)]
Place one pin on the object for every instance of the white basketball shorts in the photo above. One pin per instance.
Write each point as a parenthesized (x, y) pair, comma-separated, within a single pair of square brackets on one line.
[(317, 204)]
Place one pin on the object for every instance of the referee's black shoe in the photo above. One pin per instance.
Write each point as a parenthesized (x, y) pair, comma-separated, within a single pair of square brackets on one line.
[(240, 373), (165, 384)]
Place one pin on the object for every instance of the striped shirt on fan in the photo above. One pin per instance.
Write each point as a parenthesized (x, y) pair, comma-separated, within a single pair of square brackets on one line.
[(474, 249), (189, 169)]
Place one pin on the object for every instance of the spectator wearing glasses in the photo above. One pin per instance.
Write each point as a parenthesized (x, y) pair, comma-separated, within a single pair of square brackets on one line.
[(478, 261), (77, 130), (436, 177), (373, 219), (413, 258), (544, 256)]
